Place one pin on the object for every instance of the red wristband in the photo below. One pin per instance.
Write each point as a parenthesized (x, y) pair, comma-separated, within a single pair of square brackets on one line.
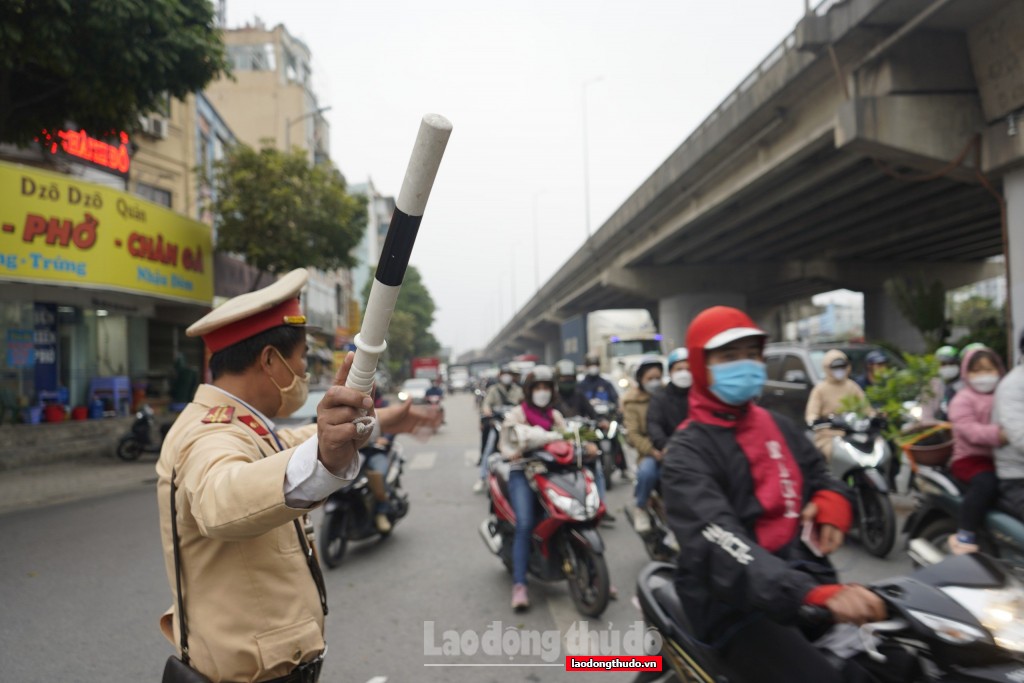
[(819, 595), (834, 509)]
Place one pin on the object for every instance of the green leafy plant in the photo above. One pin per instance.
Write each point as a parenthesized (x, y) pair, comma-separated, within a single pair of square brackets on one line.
[(895, 386), (281, 213), (100, 63)]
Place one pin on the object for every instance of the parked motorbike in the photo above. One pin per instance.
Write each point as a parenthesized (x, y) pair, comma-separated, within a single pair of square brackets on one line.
[(142, 436), (962, 618), (861, 457), (349, 511), (566, 542), (937, 501), (610, 440), (659, 541)]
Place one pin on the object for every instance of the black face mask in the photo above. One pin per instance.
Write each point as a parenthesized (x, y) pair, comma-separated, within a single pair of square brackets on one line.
[(566, 388)]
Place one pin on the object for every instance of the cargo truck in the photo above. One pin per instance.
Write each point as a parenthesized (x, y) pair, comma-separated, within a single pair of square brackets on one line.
[(618, 337)]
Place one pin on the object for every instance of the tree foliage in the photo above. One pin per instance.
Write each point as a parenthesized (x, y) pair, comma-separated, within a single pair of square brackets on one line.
[(100, 63), (895, 386), (923, 306), (409, 335), (281, 213)]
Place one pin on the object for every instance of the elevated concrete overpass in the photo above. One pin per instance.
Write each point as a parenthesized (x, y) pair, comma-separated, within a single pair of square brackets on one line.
[(877, 139)]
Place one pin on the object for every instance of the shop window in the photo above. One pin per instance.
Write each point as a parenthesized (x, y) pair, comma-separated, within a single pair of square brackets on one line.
[(154, 194), (252, 57)]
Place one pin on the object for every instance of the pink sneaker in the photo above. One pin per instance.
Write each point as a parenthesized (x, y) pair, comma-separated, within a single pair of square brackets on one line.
[(520, 600)]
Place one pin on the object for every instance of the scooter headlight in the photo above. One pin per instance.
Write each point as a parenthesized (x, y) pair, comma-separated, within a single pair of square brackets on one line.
[(950, 630), (593, 500), (403, 396), (1000, 611), (567, 504)]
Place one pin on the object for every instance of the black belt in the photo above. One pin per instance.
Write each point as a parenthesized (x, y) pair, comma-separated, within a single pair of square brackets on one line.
[(307, 672)]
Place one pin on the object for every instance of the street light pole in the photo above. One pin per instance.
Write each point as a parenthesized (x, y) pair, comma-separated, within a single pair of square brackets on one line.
[(288, 123), (586, 159)]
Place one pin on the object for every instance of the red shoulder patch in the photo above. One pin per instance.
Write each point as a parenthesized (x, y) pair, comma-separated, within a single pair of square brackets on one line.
[(254, 424), (219, 415)]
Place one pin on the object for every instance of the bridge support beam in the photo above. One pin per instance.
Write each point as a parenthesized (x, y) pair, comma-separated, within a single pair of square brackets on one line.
[(884, 322), (1013, 187), (675, 312)]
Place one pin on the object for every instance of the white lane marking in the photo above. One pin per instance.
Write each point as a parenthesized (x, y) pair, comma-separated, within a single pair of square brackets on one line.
[(471, 457), (378, 679), (423, 461)]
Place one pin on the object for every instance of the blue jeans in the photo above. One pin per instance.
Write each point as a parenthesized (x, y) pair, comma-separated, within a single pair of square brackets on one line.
[(597, 469), (490, 445), (522, 499), (647, 473), (378, 462)]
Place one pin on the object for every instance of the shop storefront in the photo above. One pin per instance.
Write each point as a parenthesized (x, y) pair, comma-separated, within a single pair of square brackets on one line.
[(96, 289)]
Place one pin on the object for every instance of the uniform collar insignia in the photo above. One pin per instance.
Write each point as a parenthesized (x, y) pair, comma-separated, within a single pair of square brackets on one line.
[(219, 415), (254, 424)]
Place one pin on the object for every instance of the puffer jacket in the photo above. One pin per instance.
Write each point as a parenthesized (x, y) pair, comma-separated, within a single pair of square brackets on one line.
[(975, 434), (635, 403)]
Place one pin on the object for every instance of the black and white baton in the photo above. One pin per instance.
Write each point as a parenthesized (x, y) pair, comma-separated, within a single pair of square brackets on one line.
[(394, 259)]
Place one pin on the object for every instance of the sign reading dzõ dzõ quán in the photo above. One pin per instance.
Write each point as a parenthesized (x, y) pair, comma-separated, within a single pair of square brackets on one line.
[(55, 229)]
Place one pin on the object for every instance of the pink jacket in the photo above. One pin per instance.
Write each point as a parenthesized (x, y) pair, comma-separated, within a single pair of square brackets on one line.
[(974, 434)]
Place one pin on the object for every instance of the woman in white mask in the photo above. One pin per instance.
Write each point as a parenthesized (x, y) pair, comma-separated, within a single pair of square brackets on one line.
[(975, 436), (827, 397), (536, 411), (635, 403)]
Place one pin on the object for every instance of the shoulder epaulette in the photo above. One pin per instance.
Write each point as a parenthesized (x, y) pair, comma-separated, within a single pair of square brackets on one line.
[(219, 415)]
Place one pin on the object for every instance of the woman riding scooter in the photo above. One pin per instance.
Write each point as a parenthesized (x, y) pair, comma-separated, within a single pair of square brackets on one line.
[(535, 411), (740, 485)]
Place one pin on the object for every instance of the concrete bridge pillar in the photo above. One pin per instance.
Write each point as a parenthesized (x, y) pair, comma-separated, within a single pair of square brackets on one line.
[(884, 322), (552, 351), (675, 312), (1013, 188)]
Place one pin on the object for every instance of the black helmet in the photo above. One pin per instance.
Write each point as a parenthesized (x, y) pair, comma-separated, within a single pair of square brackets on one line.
[(591, 359), (646, 363), (538, 374), (876, 357)]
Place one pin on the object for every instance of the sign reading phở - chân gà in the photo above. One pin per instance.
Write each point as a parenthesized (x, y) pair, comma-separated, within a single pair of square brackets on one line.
[(55, 229)]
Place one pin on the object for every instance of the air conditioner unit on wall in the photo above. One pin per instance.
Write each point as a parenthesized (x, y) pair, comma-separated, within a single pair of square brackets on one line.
[(158, 127)]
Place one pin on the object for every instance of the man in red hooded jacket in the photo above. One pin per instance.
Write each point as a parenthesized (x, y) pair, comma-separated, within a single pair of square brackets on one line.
[(740, 483)]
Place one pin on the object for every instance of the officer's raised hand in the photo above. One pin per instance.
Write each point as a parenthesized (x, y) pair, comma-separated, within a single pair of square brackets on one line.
[(335, 428)]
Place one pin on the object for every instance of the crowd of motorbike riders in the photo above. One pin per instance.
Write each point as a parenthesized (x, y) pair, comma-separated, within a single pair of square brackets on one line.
[(747, 495)]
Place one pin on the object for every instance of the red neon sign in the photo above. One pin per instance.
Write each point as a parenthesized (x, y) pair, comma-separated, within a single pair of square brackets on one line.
[(78, 143)]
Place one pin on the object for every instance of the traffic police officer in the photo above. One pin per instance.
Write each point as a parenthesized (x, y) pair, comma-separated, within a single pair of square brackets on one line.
[(253, 595)]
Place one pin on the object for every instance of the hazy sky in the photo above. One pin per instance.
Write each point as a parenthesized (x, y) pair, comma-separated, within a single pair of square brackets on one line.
[(510, 76)]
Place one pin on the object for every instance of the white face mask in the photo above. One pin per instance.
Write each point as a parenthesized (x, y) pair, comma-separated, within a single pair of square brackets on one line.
[(505, 379), (541, 398), (985, 382), (949, 372), (651, 386), (839, 373), (682, 379), (593, 370)]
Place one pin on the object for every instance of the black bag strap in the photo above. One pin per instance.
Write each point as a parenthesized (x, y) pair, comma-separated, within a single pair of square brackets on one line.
[(182, 621)]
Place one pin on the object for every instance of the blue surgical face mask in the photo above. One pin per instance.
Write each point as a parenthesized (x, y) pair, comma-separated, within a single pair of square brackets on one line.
[(738, 381)]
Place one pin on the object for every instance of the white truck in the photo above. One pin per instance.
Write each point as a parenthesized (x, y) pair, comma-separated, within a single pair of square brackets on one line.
[(619, 337)]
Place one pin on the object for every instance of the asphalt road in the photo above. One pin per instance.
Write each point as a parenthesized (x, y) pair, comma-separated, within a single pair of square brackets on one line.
[(84, 584)]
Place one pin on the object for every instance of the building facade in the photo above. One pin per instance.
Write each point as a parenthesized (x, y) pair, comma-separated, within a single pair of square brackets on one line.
[(270, 101)]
